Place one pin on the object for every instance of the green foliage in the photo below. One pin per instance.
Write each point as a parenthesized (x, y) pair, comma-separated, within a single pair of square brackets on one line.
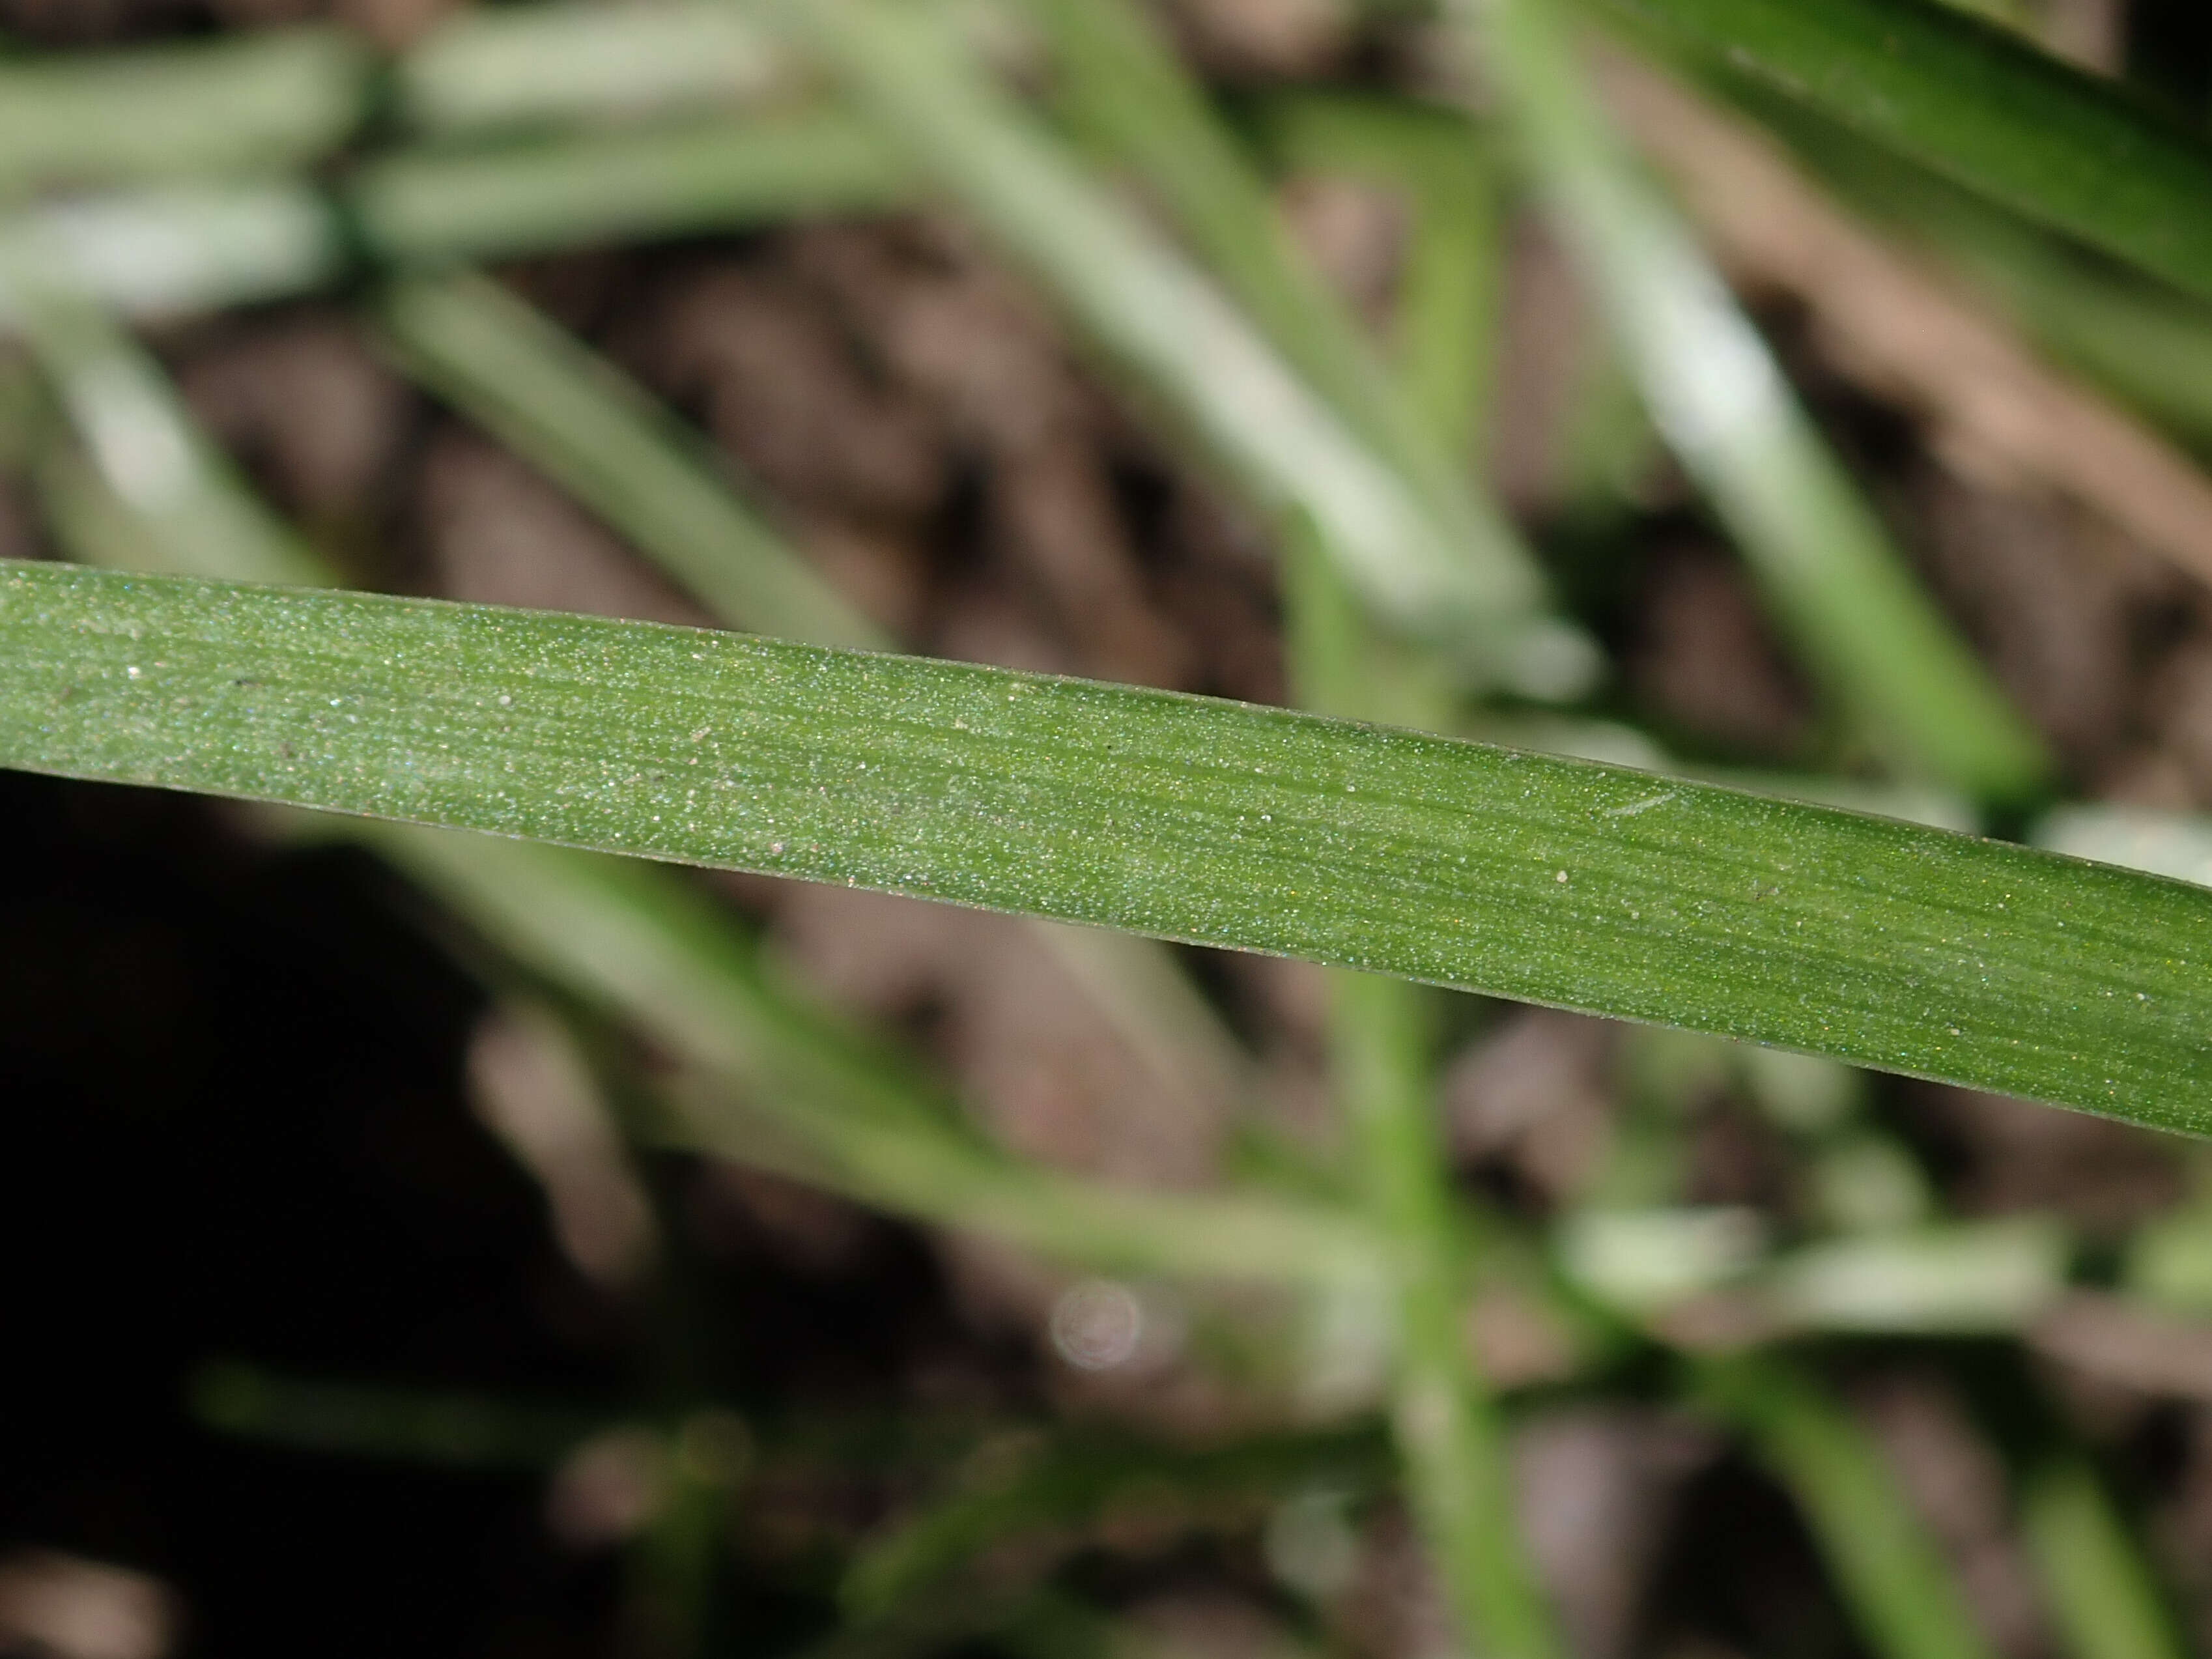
[(1546, 879)]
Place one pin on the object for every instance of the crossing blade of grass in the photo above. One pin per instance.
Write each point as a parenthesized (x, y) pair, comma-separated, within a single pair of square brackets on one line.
[(1449, 288), (248, 103), (1122, 82), (1891, 1573), (133, 427), (608, 443), (181, 249), (1141, 302), (430, 207), (541, 65), (1975, 103), (1882, 650), (2141, 340), (637, 943), (604, 439), (2092, 1572), (1544, 880)]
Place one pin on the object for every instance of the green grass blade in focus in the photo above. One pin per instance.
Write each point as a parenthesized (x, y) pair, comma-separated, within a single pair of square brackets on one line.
[(1885, 655), (1975, 103), (1542, 879), (1145, 308)]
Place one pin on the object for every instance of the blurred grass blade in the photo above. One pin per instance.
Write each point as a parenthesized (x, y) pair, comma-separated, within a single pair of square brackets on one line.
[(1164, 323), (1878, 646), (1891, 1573), (132, 422), (1451, 286), (563, 63), (1076, 1479), (279, 98), (1123, 83), (183, 248), (462, 1431), (1972, 102), (2092, 1572), (603, 439), (1961, 1278), (262, 102), (2141, 340), (1548, 880), (429, 206)]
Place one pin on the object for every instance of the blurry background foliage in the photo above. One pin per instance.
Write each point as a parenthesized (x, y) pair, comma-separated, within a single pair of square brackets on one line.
[(418, 1237)]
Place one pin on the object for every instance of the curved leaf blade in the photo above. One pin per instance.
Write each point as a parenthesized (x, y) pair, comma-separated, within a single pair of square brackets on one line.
[(1977, 104)]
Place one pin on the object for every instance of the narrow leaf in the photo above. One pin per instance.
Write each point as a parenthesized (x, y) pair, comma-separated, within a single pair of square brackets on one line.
[(1544, 880), (247, 103), (713, 175), (1974, 102)]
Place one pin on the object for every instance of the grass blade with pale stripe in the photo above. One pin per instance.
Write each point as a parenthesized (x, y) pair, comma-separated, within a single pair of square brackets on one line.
[(1908, 684)]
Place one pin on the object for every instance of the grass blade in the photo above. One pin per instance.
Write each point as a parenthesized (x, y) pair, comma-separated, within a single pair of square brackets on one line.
[(183, 248), (596, 432), (429, 208), (2099, 1587), (186, 248), (539, 65), (1450, 288), (1878, 646), (1548, 880), (1164, 323), (823, 1102), (1891, 1573), (250, 103), (1981, 106), (1123, 83)]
